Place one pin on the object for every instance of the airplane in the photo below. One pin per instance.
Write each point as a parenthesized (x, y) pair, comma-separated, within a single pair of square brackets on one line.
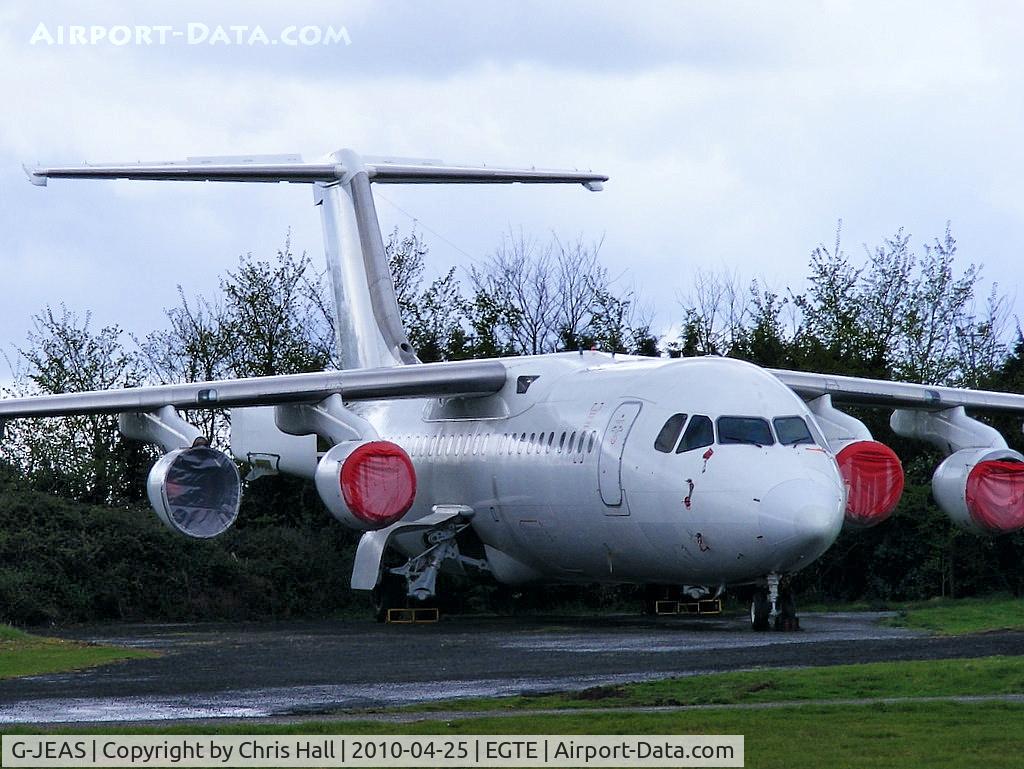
[(692, 475)]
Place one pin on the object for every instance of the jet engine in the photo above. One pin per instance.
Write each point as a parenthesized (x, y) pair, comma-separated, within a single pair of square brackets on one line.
[(982, 490), (195, 491), (871, 471), (873, 476), (366, 484)]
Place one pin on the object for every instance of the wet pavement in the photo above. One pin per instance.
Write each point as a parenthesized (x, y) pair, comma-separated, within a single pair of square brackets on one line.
[(308, 668)]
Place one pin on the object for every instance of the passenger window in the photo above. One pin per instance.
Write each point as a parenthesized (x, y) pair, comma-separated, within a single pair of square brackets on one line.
[(551, 442), (699, 433), (572, 442), (561, 443), (669, 434), (792, 431), (750, 430), (579, 446), (590, 443)]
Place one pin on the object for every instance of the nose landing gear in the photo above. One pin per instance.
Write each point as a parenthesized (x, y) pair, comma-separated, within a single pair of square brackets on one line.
[(773, 606)]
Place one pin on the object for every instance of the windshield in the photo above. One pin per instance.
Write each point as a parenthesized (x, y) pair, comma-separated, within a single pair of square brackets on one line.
[(750, 430), (699, 433), (666, 440), (792, 431)]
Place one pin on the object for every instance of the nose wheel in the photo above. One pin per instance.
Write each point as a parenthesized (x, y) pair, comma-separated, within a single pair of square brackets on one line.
[(773, 606)]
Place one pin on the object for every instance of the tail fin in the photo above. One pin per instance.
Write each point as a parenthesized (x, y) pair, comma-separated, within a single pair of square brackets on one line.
[(367, 319)]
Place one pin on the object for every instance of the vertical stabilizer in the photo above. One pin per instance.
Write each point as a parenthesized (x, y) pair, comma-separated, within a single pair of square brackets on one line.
[(368, 321)]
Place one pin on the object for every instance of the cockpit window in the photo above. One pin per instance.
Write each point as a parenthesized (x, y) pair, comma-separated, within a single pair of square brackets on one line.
[(666, 440), (699, 433), (752, 430), (792, 431)]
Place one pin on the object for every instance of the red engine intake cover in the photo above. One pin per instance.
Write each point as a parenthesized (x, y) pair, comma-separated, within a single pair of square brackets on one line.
[(378, 483), (995, 495), (874, 478)]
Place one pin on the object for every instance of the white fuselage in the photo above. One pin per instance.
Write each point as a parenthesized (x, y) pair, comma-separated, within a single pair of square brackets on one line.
[(566, 483)]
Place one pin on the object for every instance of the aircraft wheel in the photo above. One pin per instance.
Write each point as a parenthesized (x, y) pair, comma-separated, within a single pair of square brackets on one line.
[(759, 610), (389, 594)]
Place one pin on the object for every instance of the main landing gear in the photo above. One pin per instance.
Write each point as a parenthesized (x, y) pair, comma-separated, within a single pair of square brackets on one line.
[(406, 593), (773, 606)]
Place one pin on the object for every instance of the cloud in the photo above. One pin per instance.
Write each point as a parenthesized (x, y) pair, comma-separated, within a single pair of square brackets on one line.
[(734, 136)]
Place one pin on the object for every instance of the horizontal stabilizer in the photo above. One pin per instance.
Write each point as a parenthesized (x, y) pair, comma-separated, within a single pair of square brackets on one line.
[(434, 172), (291, 168), (226, 169)]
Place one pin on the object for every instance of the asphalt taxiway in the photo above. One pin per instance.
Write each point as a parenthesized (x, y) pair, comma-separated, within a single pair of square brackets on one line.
[(307, 668)]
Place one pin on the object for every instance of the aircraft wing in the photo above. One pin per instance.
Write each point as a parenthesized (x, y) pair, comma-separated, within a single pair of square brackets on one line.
[(425, 380), (902, 395)]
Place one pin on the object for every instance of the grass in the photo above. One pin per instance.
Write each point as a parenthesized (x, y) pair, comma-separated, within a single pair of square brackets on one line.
[(927, 678), (910, 736), (22, 654), (964, 615)]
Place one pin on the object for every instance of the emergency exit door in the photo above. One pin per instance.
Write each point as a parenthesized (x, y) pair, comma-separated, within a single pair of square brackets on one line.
[(609, 463)]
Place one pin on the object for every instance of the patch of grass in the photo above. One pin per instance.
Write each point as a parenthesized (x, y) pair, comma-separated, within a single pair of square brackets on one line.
[(924, 678), (22, 654), (8, 633), (911, 736), (963, 615)]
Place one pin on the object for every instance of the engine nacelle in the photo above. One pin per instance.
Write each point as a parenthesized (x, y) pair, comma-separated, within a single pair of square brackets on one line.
[(366, 484), (195, 491), (982, 490), (873, 476)]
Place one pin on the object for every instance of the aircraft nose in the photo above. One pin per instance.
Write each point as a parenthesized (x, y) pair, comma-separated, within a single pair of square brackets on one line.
[(804, 514)]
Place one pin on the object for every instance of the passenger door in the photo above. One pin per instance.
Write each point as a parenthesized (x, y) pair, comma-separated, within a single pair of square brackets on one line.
[(609, 462)]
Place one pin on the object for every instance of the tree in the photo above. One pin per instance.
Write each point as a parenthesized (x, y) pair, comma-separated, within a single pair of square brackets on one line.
[(713, 315), (83, 457), (434, 317), (522, 274), (194, 348), (937, 315), (832, 331), (275, 318), (532, 297)]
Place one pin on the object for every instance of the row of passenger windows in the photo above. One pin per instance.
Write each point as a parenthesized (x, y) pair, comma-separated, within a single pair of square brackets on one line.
[(756, 431), (576, 443)]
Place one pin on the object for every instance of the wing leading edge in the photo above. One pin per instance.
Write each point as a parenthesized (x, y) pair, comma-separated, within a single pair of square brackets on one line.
[(426, 380), (903, 395)]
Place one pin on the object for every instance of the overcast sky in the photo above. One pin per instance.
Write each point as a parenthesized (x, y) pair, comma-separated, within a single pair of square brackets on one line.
[(735, 135)]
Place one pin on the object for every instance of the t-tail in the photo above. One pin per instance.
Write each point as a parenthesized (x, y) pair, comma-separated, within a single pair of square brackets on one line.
[(368, 324)]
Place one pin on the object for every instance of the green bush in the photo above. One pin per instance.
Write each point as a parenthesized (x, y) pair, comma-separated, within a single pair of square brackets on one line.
[(63, 561)]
